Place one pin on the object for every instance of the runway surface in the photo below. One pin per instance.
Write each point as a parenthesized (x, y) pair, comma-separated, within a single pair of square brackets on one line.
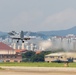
[(38, 71)]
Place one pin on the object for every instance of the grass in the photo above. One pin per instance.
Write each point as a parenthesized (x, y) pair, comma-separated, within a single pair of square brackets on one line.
[(2, 68), (37, 64), (72, 64)]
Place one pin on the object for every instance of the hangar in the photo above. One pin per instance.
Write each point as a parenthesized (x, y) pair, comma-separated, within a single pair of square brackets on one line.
[(61, 57)]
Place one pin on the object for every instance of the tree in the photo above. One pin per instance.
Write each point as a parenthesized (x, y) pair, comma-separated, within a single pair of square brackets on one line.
[(37, 58), (27, 56), (33, 57)]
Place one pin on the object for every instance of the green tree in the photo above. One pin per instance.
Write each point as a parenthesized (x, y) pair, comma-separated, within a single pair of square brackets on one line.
[(27, 56), (31, 56), (39, 57)]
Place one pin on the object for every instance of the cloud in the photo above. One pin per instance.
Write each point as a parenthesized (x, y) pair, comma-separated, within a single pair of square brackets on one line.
[(60, 19), (37, 21)]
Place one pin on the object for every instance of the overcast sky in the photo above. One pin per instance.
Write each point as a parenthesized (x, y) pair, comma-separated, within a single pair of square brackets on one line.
[(37, 15)]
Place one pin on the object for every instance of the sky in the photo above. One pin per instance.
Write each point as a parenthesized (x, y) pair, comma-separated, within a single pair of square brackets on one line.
[(37, 15)]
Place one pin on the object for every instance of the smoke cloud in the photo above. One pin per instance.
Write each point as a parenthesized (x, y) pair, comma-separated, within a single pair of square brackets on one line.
[(45, 45)]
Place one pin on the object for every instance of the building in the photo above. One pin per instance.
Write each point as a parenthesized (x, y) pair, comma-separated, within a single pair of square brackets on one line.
[(8, 54), (61, 57), (67, 42), (20, 51)]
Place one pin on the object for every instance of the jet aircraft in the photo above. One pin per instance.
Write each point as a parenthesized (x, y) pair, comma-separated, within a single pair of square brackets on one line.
[(19, 36)]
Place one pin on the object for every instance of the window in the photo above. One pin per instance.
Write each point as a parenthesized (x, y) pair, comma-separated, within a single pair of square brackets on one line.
[(15, 56), (7, 56), (0, 56), (11, 56), (51, 56)]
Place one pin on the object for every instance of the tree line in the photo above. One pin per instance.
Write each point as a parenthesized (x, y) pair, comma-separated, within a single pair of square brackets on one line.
[(31, 56)]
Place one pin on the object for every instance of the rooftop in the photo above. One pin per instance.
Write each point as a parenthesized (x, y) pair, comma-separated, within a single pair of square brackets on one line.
[(4, 46), (68, 54)]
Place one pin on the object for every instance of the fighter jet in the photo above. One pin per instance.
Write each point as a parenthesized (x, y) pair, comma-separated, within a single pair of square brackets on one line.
[(19, 36)]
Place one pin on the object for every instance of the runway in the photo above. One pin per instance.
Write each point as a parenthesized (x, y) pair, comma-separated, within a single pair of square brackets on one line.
[(38, 71)]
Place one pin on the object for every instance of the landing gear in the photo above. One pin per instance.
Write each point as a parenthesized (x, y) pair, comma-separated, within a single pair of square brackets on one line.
[(22, 41), (17, 41)]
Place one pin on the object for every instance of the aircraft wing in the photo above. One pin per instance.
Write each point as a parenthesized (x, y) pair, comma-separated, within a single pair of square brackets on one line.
[(16, 38), (12, 33), (27, 38)]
